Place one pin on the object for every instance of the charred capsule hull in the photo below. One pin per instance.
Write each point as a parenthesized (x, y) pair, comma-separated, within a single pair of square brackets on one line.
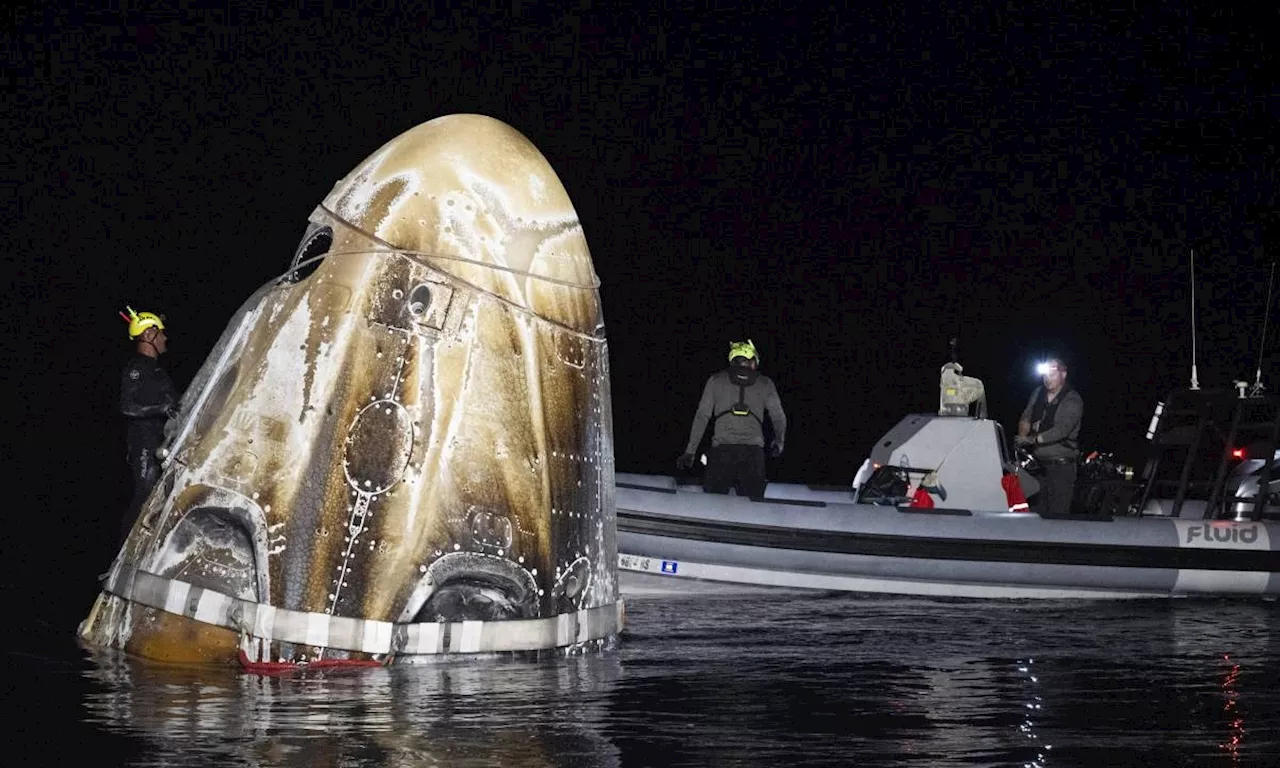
[(406, 451)]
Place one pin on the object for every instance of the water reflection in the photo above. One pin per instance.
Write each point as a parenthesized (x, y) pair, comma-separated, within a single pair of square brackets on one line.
[(1034, 705), (460, 713), (823, 680), (1232, 745), (1230, 639)]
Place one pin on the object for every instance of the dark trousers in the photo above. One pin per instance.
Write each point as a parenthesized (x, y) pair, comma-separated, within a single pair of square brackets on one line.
[(1057, 486), (144, 468), (735, 466)]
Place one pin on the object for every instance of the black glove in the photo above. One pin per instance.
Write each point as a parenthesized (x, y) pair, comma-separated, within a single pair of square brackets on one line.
[(685, 461), (1024, 440), (775, 450)]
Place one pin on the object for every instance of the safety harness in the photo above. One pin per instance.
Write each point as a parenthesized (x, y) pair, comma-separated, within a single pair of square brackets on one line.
[(740, 408)]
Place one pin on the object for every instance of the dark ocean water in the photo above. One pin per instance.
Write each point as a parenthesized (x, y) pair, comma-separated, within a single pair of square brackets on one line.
[(780, 679)]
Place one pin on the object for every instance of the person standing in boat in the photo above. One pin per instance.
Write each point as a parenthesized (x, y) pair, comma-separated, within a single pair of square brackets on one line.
[(737, 400), (147, 400), (1050, 429)]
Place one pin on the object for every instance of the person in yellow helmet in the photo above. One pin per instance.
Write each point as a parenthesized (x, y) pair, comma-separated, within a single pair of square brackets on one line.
[(147, 400), (737, 400)]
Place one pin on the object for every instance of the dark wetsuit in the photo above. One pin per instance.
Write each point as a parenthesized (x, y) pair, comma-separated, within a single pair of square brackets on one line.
[(147, 398)]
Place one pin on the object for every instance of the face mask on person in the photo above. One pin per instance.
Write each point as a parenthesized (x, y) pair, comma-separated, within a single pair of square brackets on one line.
[(742, 372)]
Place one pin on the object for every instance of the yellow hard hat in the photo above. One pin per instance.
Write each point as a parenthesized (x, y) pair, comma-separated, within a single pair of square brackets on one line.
[(139, 322), (743, 349)]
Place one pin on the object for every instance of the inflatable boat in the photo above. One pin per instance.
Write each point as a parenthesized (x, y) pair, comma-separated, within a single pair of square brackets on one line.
[(938, 510)]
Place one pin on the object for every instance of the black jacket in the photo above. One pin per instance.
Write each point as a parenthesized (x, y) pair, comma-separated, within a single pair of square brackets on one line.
[(147, 398)]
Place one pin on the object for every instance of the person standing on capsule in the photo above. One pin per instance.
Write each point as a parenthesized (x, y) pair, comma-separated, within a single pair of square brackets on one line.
[(147, 400), (737, 400)]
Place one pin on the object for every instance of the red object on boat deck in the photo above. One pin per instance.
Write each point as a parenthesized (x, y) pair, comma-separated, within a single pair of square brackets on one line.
[(921, 499), (1013, 493)]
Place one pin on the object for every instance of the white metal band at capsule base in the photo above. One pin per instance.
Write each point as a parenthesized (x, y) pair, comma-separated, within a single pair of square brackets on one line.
[(270, 623)]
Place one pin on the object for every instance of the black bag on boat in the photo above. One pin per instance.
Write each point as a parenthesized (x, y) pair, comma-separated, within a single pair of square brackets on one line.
[(887, 486)]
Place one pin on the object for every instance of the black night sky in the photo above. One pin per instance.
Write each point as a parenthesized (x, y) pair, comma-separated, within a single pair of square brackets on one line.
[(847, 188)]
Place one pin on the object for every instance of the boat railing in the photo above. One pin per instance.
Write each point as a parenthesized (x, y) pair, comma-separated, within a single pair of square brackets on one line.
[(1195, 438)]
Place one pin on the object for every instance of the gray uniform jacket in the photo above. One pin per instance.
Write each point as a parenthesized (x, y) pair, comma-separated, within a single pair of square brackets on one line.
[(719, 396), (1062, 440)]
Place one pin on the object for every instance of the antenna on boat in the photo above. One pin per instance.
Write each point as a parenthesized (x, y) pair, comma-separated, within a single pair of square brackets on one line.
[(1257, 388), (1195, 381)]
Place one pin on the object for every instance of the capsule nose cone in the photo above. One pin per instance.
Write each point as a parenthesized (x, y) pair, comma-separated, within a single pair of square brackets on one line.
[(479, 201)]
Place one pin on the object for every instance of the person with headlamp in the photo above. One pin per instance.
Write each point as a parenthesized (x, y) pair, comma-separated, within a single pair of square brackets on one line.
[(1050, 429)]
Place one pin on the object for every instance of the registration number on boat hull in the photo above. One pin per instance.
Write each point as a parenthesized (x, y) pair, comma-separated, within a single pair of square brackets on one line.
[(638, 563)]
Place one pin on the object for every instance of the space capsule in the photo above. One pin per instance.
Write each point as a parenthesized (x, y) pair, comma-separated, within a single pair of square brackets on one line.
[(400, 448)]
